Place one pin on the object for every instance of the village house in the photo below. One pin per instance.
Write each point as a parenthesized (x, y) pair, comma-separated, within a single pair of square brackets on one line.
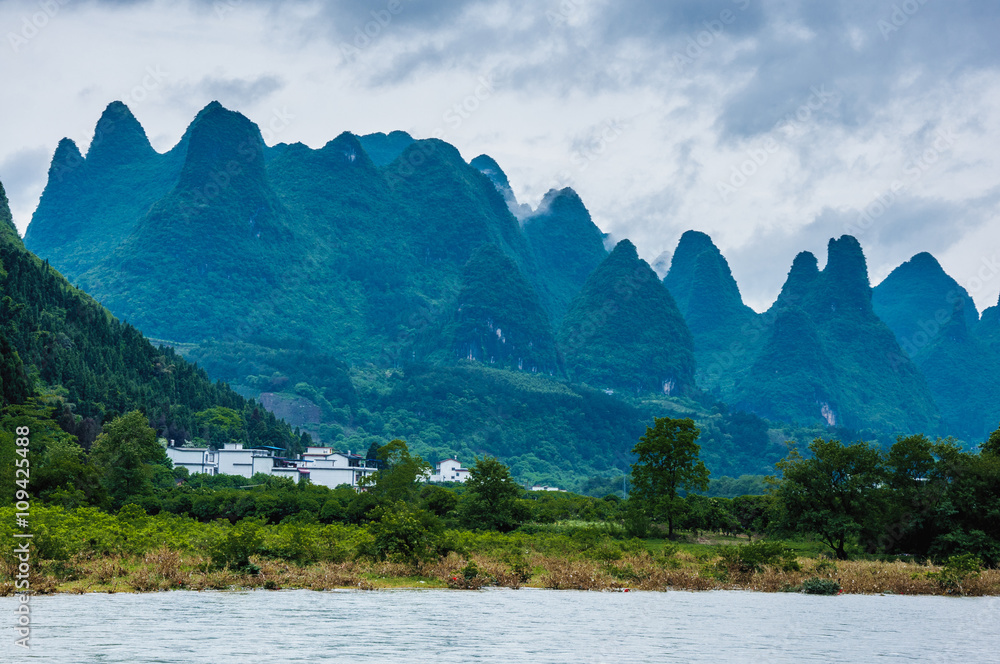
[(543, 487), (321, 465), (448, 470)]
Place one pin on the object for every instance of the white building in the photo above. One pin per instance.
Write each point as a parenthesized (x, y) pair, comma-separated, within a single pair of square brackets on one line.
[(235, 460), (321, 465), (195, 459), (542, 487), (328, 468), (448, 470)]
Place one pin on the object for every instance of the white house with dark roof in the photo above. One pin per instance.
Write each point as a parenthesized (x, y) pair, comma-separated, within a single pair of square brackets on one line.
[(448, 470)]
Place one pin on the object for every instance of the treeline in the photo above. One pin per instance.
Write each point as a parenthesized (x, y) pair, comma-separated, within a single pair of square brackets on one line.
[(921, 498)]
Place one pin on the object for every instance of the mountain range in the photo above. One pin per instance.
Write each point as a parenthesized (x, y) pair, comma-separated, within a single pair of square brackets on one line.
[(390, 288)]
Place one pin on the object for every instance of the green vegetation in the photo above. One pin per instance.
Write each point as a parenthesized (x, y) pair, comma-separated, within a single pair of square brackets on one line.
[(330, 284), (924, 498), (56, 340), (142, 530), (706, 293), (499, 320), (624, 331), (566, 246), (933, 319), (667, 465), (826, 357)]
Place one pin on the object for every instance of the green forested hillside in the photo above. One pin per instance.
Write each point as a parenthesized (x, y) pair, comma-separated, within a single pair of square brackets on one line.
[(725, 330), (383, 149), (566, 245), (499, 319), (307, 273), (58, 341), (90, 206), (933, 319), (624, 331), (827, 351), (381, 283)]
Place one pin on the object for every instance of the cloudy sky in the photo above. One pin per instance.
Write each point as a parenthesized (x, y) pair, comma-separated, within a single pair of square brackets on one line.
[(772, 125)]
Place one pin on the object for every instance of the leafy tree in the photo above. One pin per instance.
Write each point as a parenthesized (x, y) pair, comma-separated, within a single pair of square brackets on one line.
[(219, 425), (992, 444), (753, 513), (59, 471), (491, 500), (439, 500), (403, 533), (668, 464), (125, 453), (399, 474), (837, 494)]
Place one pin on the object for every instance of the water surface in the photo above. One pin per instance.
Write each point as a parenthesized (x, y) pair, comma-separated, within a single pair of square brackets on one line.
[(527, 625)]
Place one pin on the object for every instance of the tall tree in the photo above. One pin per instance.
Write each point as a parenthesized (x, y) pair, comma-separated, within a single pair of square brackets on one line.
[(992, 444), (491, 499), (668, 464), (127, 453), (398, 473), (836, 494)]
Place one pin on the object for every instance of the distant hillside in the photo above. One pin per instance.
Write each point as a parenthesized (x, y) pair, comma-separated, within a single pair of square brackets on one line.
[(707, 295), (624, 331), (567, 246), (384, 286), (828, 358), (934, 320), (306, 274)]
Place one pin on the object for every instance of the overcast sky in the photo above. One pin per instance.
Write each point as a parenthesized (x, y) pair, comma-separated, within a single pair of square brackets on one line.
[(770, 125)]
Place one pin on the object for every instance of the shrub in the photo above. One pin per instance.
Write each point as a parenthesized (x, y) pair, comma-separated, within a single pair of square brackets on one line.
[(956, 571), (818, 586), (637, 523), (826, 567), (234, 548), (402, 534)]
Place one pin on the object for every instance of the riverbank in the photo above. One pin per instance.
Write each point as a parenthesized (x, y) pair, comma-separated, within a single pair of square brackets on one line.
[(166, 569)]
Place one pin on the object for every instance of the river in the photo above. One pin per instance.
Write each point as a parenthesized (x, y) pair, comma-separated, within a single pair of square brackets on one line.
[(527, 625)]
